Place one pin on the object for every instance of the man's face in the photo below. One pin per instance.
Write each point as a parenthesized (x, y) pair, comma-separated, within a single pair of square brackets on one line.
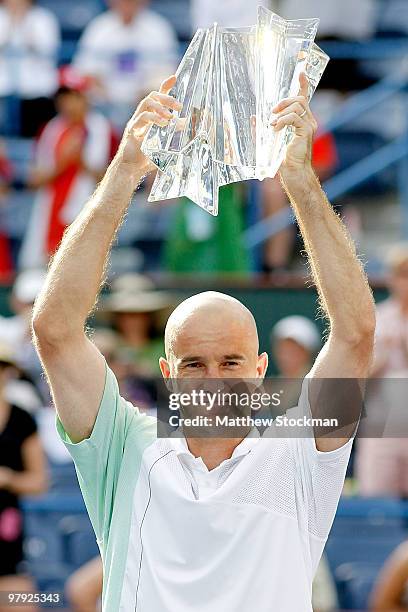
[(292, 358), (214, 344), (127, 9), (72, 105), (17, 6)]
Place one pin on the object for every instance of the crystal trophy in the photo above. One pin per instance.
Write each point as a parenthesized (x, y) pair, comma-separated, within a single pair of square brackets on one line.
[(228, 82)]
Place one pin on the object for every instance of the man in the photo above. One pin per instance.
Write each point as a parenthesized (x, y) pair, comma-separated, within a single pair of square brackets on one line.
[(295, 342), (222, 525), (382, 464), (72, 153), (29, 43), (15, 331), (127, 50), (22, 472)]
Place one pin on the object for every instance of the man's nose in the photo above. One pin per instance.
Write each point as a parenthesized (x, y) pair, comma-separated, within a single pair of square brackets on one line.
[(213, 371)]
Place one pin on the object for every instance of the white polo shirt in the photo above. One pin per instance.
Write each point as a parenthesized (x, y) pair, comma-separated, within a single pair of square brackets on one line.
[(129, 59), (205, 481), (28, 58), (248, 538)]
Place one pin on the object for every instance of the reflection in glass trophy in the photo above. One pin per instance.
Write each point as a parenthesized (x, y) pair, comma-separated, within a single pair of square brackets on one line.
[(228, 82)]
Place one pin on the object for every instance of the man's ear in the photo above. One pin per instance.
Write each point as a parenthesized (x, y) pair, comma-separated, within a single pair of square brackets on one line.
[(169, 382), (164, 367), (262, 365)]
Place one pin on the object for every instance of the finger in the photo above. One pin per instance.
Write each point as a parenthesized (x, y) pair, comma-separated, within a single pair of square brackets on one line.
[(296, 107), (149, 117), (304, 85), (168, 84), (292, 119), (305, 115), (149, 104), (167, 101), (288, 101)]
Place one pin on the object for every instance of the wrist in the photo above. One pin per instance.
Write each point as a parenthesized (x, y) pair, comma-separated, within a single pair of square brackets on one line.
[(131, 171), (296, 176), (136, 170)]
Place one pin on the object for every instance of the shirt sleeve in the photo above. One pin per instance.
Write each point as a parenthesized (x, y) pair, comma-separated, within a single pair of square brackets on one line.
[(98, 459), (320, 475)]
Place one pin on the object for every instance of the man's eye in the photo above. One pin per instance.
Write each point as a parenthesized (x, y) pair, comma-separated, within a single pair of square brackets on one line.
[(231, 364), (195, 364)]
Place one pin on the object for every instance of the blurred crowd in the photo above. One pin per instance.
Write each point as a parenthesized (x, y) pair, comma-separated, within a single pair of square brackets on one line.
[(60, 124), (66, 95)]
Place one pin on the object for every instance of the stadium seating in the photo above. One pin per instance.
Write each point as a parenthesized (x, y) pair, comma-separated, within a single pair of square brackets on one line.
[(352, 146), (59, 539), (59, 536), (364, 534)]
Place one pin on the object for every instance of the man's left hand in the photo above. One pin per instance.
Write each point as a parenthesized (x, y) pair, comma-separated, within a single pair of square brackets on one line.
[(295, 112)]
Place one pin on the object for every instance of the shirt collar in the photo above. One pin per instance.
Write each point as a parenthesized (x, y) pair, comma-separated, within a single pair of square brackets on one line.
[(180, 445)]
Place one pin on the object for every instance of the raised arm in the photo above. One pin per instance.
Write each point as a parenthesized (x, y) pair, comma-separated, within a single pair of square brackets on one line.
[(345, 296), (74, 367)]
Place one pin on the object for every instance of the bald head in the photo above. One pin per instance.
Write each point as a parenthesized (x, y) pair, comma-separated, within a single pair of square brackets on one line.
[(212, 333)]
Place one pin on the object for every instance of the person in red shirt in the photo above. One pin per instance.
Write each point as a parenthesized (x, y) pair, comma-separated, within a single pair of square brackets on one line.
[(72, 153), (6, 176)]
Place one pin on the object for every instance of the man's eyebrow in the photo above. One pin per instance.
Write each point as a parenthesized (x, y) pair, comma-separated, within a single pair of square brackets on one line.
[(230, 357), (189, 359)]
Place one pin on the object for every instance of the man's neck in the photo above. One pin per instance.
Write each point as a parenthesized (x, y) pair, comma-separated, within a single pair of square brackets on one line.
[(129, 19), (213, 451)]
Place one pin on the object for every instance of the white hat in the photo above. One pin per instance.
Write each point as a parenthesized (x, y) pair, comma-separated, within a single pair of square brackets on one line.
[(135, 293), (300, 329), (28, 285)]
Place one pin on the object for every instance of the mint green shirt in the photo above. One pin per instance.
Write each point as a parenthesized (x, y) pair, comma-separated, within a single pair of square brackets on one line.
[(108, 465)]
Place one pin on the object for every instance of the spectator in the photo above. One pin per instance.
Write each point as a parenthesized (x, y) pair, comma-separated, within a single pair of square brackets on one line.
[(6, 176), (29, 41), (128, 51), (390, 593), (382, 464), (72, 153), (15, 331), (84, 587), (136, 312), (134, 308), (22, 472), (296, 341)]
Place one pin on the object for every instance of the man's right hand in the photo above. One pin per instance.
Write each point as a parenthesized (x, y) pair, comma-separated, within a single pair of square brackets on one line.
[(154, 109)]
